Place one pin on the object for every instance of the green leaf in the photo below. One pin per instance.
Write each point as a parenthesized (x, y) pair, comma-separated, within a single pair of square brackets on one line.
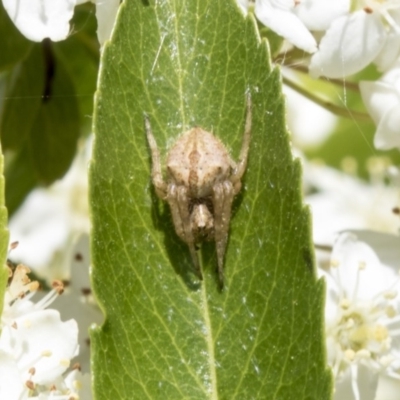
[(13, 45), (274, 40), (40, 122), (21, 178), (56, 129), (167, 335), (3, 239), (23, 96), (80, 56)]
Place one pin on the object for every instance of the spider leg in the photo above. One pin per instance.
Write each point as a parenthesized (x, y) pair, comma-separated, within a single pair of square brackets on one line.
[(242, 163), (156, 174), (222, 198), (179, 204)]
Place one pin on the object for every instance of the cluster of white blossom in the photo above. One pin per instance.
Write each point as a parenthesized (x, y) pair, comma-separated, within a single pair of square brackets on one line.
[(362, 278), (362, 314), (36, 347), (61, 221), (343, 37)]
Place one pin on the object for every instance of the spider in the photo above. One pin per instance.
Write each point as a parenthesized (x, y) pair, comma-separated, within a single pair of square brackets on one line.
[(202, 180)]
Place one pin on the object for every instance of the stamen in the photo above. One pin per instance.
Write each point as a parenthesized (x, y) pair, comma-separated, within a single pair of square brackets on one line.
[(76, 366), (361, 267), (390, 311), (338, 361), (65, 362), (30, 385), (334, 263), (58, 286), (363, 354), (385, 361), (29, 367), (380, 333), (389, 290), (47, 300), (345, 303), (13, 245), (349, 354), (349, 323), (354, 376), (77, 384), (390, 294)]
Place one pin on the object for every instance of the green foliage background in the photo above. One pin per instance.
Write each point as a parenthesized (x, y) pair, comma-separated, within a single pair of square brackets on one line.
[(4, 237), (46, 102), (167, 335)]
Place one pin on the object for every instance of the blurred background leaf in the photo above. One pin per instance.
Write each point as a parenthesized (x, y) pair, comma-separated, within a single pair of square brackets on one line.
[(13, 45), (4, 237), (47, 102), (351, 142)]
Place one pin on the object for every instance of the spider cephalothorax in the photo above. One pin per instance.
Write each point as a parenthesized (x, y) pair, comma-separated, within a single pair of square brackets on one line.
[(202, 180)]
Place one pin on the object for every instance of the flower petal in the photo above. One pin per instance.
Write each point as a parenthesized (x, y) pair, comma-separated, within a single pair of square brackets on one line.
[(11, 383), (106, 13), (382, 100), (286, 24), (81, 383), (387, 134), (378, 97), (40, 19), (361, 266), (243, 5), (385, 245), (317, 15), (388, 388), (41, 340), (389, 53), (366, 383), (349, 45)]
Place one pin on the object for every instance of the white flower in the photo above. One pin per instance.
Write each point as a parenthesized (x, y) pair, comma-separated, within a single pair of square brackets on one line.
[(390, 52), (74, 386), (36, 347), (11, 382), (76, 382), (382, 100), (294, 19), (52, 229), (279, 16), (77, 301), (341, 202), (106, 14), (355, 40), (50, 219), (362, 317), (40, 19), (317, 15)]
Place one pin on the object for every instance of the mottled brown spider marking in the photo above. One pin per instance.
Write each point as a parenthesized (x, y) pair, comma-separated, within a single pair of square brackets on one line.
[(202, 180)]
